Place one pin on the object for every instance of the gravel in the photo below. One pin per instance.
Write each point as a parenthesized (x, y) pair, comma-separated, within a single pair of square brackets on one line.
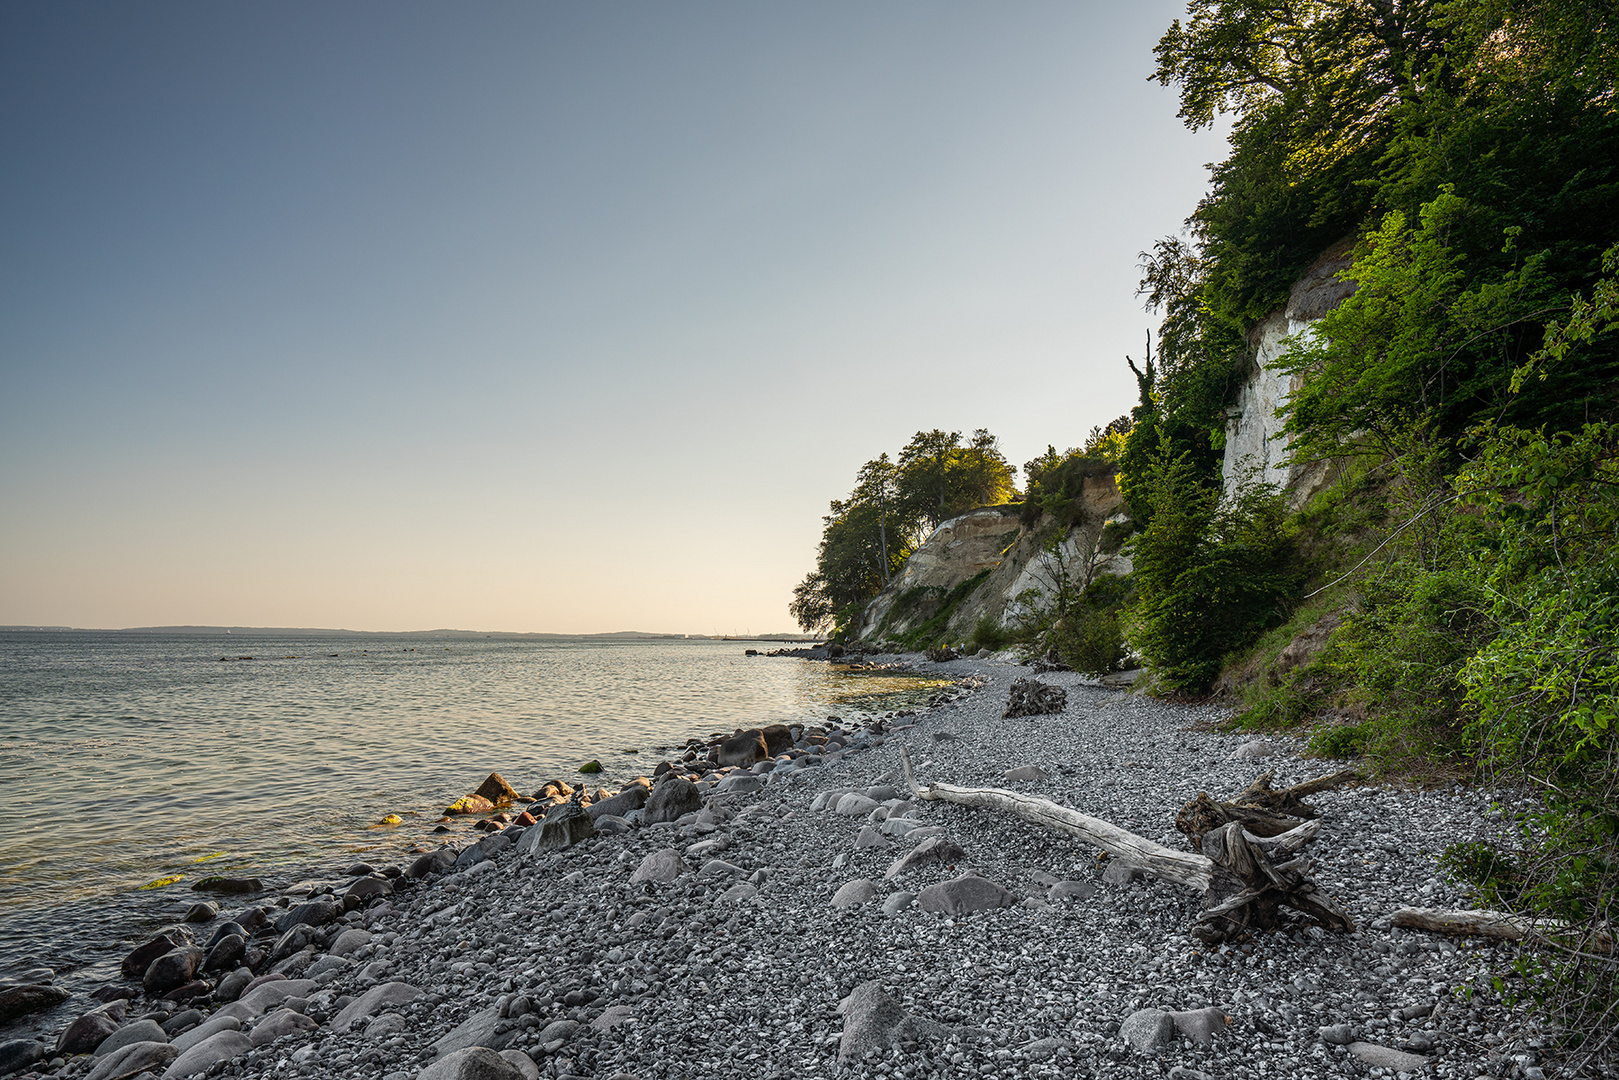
[(710, 978)]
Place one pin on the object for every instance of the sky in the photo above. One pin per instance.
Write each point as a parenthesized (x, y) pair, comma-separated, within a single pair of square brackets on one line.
[(537, 316)]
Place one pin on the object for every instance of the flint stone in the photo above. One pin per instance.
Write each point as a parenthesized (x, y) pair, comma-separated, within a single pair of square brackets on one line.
[(963, 894), (18, 1054), (133, 1059), (227, 954), (224, 1046), (141, 957), (564, 826), (309, 913), (174, 968), (231, 986), (1148, 1030), (854, 893), (372, 1001), (471, 1063), (672, 799), (869, 838), (278, 1024), (143, 1030), (1337, 1034), (86, 1033), (476, 1030), (204, 1032), (497, 791), (434, 862), (665, 865), (898, 902), (1200, 1025), (743, 749), (1385, 1058), (631, 798), (934, 849), (855, 804), (349, 941)]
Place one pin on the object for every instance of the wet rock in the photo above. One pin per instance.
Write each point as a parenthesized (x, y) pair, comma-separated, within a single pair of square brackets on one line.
[(740, 784), (665, 865), (231, 886), (201, 912), (228, 928), (136, 1031), (18, 1001), (227, 954), (591, 766), (673, 798), (225, 1046), (963, 894), (279, 1024), (174, 968), (934, 849), (141, 957), (471, 1063), (854, 893), (470, 804), (743, 749), (373, 1001), (293, 941), (1384, 1057), (778, 739), (496, 791), (17, 1054), (309, 913), (132, 1060), (85, 1033), (364, 890), (434, 862), (1148, 1030)]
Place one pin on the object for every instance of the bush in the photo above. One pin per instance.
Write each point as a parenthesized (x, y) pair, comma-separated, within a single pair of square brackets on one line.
[(1090, 641), (990, 634)]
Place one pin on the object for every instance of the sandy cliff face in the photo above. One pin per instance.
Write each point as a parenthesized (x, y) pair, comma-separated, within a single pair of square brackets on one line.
[(1013, 558), (1254, 446)]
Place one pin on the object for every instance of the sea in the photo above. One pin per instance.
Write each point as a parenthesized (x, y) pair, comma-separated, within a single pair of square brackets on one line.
[(134, 764)]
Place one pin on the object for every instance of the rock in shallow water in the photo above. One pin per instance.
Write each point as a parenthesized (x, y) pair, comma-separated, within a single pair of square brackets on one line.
[(174, 968)]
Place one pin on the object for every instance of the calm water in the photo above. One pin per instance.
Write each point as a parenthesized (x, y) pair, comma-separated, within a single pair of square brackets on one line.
[(129, 758)]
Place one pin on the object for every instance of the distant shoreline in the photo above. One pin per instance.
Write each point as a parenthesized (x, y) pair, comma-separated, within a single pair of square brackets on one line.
[(267, 631)]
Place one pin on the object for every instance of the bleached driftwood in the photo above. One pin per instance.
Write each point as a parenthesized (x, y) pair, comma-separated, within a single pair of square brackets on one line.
[(1475, 922), (1239, 874), (1260, 808)]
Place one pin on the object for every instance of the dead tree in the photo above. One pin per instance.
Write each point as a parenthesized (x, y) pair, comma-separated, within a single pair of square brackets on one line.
[(1245, 879), (1260, 809)]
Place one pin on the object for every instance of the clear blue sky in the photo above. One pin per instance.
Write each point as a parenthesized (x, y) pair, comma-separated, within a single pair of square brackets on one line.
[(541, 316)]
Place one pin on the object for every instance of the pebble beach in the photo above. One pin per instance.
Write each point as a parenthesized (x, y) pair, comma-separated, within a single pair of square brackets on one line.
[(806, 917)]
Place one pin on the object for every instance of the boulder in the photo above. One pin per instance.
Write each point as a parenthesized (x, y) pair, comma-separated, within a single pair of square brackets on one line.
[(18, 1001), (132, 1060), (479, 1029), (743, 749), (309, 913), (205, 1031), (366, 889), (143, 1030), (1254, 748), (17, 1054), (934, 849), (898, 902), (278, 1024), (854, 893), (85, 1034), (184, 1020), (174, 968), (497, 791), (855, 804), (373, 1001), (963, 894), (434, 862), (141, 957), (1148, 1030), (295, 940), (470, 804), (665, 865), (630, 799), (530, 1071), (224, 1046), (487, 848), (231, 986), (778, 739), (231, 886), (201, 912), (349, 941), (226, 955), (740, 784), (673, 798), (471, 1063), (1200, 1025), (874, 1021), (563, 827), (869, 838)]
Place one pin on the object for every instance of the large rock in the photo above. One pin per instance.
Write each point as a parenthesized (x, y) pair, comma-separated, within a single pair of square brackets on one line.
[(1200, 1025), (231, 986), (279, 1024), (17, 1054), (143, 1030), (1384, 1057), (472, 1063), (874, 1021), (855, 804), (470, 804), (204, 1031), (563, 827), (363, 890), (174, 968), (225, 1046), (373, 1001), (132, 1060), (309, 913), (1148, 1030), (226, 955), (86, 1033), (935, 849), (141, 957), (665, 865), (854, 893), (230, 886), (743, 749), (434, 862), (778, 739), (18, 1001), (623, 804), (497, 791), (350, 941), (740, 784), (673, 798), (963, 894), (487, 848), (479, 1029)]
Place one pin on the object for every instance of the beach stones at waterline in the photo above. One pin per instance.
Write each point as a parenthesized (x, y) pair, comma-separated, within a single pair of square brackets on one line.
[(630, 799), (200, 912), (665, 865), (309, 913), (140, 958), (280, 1023), (470, 804), (963, 894), (225, 1046), (229, 885), (434, 862), (743, 749), (143, 1030), (497, 791), (487, 848), (86, 1033), (17, 1054), (227, 954), (564, 826), (18, 1001), (673, 798), (173, 969)]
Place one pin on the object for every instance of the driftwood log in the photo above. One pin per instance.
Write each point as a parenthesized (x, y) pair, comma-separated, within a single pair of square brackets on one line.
[(1260, 809), (1245, 879), (1503, 927)]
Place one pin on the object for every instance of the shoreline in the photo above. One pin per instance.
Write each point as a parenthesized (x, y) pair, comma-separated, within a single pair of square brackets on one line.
[(561, 956)]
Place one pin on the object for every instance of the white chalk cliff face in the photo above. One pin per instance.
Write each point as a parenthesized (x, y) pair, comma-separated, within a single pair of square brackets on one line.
[(1254, 447)]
